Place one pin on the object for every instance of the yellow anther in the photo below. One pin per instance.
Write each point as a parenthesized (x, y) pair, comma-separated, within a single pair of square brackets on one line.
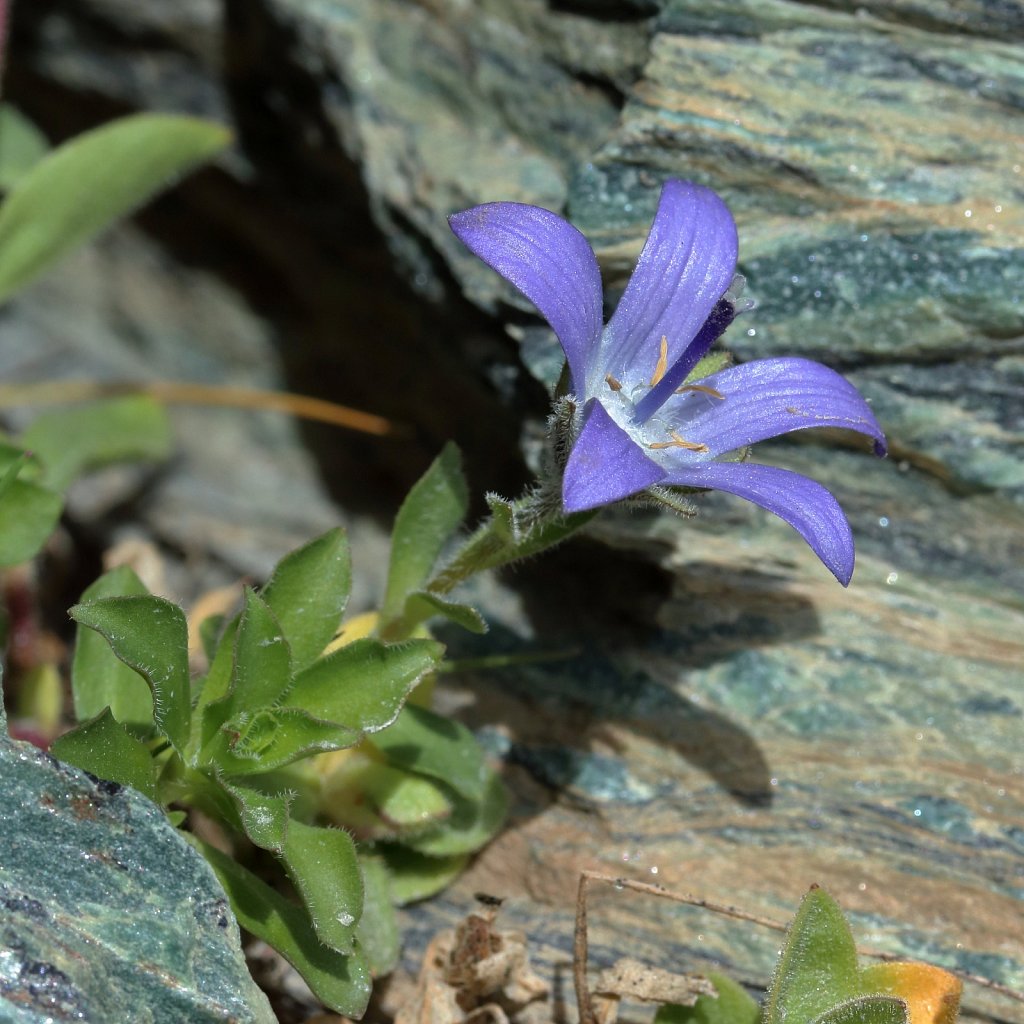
[(702, 388), (659, 370), (612, 382), (680, 442)]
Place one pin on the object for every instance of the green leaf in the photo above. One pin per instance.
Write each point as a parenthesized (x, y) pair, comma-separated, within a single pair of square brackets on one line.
[(99, 679), (102, 747), (73, 440), (263, 662), (211, 693), (264, 816), (429, 516), (28, 515), (340, 981), (150, 635), (422, 606), (22, 145), (377, 931), (438, 747), (818, 965), (867, 1010), (272, 738), (734, 1005), (471, 825), (415, 876), (308, 592), (92, 181), (323, 866), (363, 684)]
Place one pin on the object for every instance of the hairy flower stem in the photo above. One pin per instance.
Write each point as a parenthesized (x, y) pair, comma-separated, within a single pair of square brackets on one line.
[(513, 531)]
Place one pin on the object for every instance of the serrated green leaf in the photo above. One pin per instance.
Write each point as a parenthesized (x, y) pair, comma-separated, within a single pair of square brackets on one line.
[(414, 876), (471, 824), (363, 684), (734, 1005), (818, 965), (429, 516), (377, 931), (308, 592), (99, 678), (340, 981), (440, 748), (867, 1010), (88, 183), (421, 606), (272, 738), (28, 515), (22, 145), (322, 864), (102, 747), (73, 440), (262, 668), (150, 635)]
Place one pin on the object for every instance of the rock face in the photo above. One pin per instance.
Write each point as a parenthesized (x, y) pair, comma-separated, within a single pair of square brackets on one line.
[(739, 721)]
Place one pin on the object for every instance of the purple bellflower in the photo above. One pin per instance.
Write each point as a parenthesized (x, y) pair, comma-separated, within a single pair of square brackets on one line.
[(641, 420)]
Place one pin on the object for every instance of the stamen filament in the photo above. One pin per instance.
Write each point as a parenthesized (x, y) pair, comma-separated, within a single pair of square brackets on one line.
[(702, 388), (680, 442), (659, 370)]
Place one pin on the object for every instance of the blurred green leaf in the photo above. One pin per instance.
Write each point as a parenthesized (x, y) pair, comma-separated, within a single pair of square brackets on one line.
[(150, 635), (472, 823), (308, 592), (340, 981), (415, 876), (322, 864), (102, 747), (428, 518), (364, 683), (438, 747), (818, 965), (734, 1005), (377, 931), (274, 737), (99, 679), (72, 440), (28, 515), (91, 181), (867, 1010), (22, 145)]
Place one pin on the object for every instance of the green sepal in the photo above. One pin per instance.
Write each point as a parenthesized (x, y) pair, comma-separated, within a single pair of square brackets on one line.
[(817, 968), (73, 440), (440, 748), (421, 606), (734, 1005), (100, 679), (428, 518), (91, 181), (377, 931), (150, 635), (471, 823), (308, 591), (341, 981), (102, 747), (363, 684)]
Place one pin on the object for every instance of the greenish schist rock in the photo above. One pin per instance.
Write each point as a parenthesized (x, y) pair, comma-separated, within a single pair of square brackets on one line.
[(106, 914)]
